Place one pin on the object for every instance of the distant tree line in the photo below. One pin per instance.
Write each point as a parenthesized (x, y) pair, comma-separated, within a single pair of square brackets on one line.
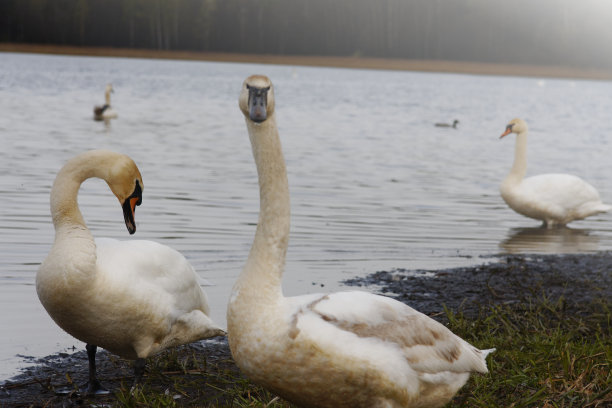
[(560, 32)]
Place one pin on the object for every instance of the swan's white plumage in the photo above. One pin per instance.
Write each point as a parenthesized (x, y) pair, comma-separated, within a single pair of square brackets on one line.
[(346, 349), (555, 199), (133, 298)]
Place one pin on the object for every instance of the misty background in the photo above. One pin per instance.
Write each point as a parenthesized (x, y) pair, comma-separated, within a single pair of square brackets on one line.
[(540, 32)]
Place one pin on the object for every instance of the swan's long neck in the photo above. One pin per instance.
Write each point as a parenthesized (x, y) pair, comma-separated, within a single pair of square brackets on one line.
[(519, 167), (64, 207), (264, 268), (107, 96), (72, 259)]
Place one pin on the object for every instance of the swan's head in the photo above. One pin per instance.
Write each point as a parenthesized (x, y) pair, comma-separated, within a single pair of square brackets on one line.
[(515, 126), (125, 182), (109, 88), (256, 99)]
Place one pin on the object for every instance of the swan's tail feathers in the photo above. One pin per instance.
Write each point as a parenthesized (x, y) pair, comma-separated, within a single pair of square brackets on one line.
[(598, 208), (482, 364), (604, 207), (195, 325), (210, 330), (220, 333)]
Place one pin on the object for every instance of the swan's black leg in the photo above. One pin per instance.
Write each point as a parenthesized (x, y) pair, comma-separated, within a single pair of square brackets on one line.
[(139, 369), (93, 385)]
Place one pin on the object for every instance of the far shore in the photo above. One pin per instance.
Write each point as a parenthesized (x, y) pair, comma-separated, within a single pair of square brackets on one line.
[(460, 67)]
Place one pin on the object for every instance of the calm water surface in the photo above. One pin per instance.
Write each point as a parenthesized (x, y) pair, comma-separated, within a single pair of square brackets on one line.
[(374, 185)]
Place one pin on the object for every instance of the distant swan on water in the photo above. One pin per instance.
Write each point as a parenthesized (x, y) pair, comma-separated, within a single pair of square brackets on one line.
[(555, 199), (105, 111), (344, 349), (133, 298), (454, 125)]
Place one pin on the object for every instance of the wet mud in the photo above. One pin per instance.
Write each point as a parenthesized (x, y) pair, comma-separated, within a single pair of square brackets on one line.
[(579, 281), (205, 368)]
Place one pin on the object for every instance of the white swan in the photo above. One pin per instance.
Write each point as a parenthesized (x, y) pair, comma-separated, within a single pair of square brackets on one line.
[(133, 298), (346, 349), (555, 199), (105, 111)]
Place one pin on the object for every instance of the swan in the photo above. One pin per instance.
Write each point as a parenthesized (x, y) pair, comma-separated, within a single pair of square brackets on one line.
[(454, 125), (105, 111), (345, 349), (555, 199), (132, 298)]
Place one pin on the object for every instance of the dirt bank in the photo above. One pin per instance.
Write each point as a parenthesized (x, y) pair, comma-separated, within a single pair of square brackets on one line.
[(206, 370), (462, 67), (578, 280)]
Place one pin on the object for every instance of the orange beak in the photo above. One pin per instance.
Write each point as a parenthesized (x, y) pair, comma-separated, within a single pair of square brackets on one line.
[(507, 132), (129, 208)]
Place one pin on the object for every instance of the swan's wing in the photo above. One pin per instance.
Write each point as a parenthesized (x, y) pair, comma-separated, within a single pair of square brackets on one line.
[(152, 272), (426, 345), (564, 191)]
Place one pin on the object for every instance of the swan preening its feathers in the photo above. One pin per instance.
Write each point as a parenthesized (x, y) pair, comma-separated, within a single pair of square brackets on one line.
[(346, 349), (555, 199), (105, 111), (133, 298)]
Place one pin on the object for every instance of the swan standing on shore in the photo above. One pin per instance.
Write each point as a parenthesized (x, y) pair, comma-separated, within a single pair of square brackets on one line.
[(345, 349), (555, 199), (132, 298), (105, 111)]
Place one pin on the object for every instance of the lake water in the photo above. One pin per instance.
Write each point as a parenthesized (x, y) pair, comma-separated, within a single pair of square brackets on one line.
[(374, 185)]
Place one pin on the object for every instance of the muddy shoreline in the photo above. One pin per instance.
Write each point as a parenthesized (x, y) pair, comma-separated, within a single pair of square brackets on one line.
[(576, 279), (580, 281)]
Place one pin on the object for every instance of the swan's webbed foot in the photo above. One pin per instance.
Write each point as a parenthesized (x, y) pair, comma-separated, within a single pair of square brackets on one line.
[(88, 388), (94, 388)]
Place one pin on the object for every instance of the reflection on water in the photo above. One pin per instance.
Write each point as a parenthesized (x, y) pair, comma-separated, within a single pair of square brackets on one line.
[(550, 240), (374, 184)]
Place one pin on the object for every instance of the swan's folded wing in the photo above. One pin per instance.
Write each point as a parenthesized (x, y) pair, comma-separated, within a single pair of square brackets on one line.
[(427, 346), (563, 190), (151, 269)]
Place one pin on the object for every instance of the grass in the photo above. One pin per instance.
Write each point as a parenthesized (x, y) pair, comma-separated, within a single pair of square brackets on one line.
[(182, 377), (549, 354), (546, 357)]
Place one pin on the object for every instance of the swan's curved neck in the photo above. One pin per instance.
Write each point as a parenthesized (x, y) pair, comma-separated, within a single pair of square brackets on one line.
[(64, 207), (107, 96), (266, 261), (519, 167)]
